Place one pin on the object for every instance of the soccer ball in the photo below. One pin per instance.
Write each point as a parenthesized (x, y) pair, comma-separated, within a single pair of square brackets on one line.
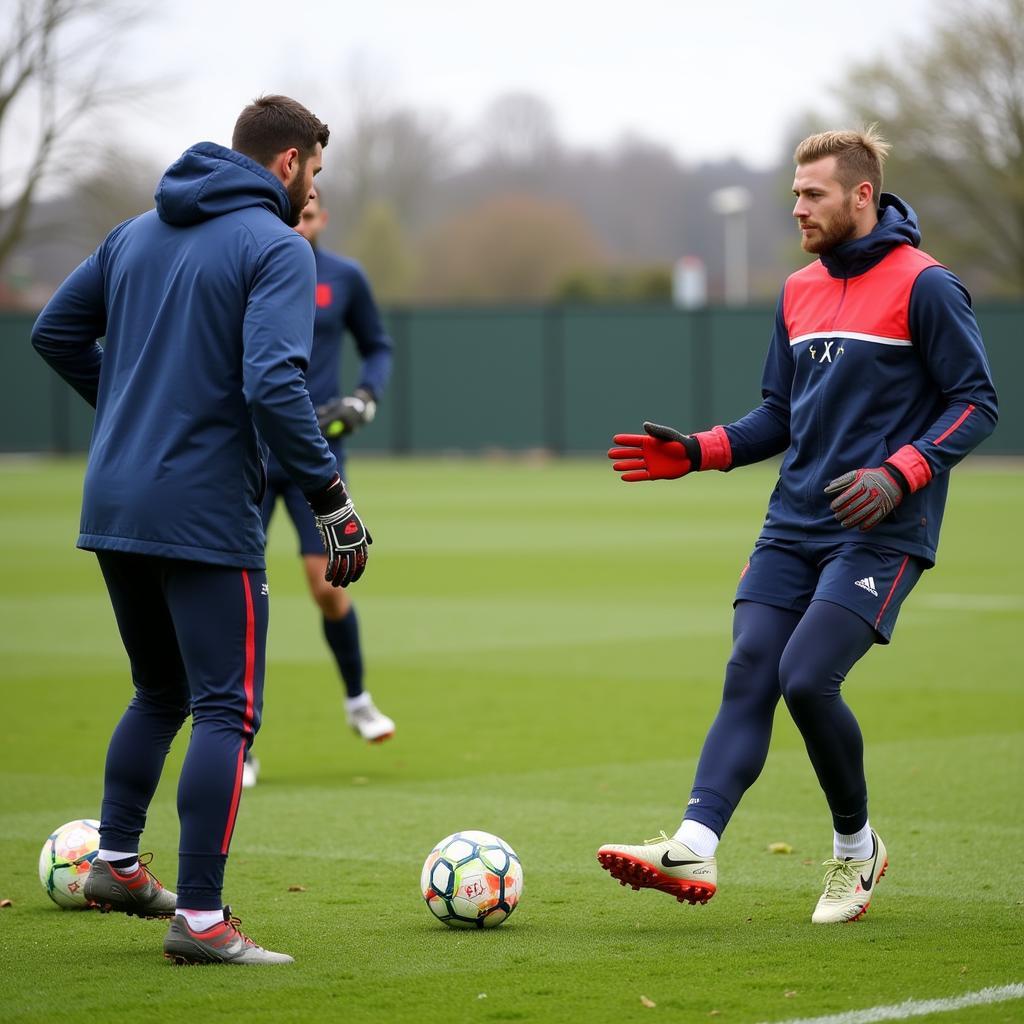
[(472, 880), (65, 861)]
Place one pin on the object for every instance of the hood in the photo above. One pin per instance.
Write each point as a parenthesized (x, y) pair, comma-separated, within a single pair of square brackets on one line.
[(208, 181), (897, 225)]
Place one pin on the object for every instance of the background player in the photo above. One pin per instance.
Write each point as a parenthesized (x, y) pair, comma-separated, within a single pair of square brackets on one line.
[(344, 302), (206, 304), (875, 385)]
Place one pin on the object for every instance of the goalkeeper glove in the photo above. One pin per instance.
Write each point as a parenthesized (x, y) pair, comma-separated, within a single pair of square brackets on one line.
[(867, 496), (346, 415), (345, 538), (665, 454)]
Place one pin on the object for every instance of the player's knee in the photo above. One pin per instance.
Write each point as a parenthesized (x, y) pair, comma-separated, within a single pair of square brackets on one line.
[(802, 689), (333, 602)]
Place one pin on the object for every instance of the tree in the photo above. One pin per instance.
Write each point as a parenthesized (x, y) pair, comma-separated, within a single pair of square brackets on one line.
[(55, 57), (380, 246), (955, 110), (511, 248)]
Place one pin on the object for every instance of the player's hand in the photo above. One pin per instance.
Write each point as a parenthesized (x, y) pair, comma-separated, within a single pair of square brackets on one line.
[(660, 454), (346, 540), (346, 415), (866, 496)]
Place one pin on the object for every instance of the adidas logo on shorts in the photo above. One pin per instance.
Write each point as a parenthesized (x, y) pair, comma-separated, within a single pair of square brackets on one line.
[(868, 584)]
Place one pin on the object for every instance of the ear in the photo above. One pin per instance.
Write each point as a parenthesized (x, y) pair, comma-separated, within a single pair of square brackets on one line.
[(286, 165), (864, 195)]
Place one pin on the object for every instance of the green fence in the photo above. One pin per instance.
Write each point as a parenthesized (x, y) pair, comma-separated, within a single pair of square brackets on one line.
[(561, 378)]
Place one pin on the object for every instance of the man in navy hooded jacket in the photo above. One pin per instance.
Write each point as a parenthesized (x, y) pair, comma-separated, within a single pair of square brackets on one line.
[(206, 304), (876, 384)]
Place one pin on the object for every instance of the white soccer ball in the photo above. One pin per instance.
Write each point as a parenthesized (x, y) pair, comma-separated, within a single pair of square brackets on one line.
[(472, 880), (66, 859)]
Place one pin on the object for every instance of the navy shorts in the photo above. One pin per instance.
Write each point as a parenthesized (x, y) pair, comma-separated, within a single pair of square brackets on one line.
[(872, 582), (280, 485)]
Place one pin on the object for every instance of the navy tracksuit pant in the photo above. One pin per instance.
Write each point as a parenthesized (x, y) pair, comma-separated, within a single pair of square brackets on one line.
[(196, 635), (802, 657)]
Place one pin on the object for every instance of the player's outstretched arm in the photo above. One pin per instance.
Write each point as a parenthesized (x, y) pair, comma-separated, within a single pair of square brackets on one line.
[(663, 453)]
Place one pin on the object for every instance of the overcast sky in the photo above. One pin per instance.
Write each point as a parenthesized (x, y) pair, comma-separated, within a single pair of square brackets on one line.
[(709, 79)]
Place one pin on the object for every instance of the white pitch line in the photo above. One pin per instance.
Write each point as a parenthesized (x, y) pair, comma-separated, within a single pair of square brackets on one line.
[(917, 1007)]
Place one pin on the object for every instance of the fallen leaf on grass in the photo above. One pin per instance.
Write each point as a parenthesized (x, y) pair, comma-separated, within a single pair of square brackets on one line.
[(6, 903), (809, 861), (780, 848), (647, 1002), (714, 1013), (963, 967), (790, 993), (296, 888), (482, 995)]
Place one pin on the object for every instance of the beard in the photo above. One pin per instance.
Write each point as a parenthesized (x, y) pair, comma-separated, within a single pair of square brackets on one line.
[(298, 196), (840, 229)]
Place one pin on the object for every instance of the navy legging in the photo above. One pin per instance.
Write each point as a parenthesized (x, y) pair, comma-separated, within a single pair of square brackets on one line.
[(804, 658), (196, 638)]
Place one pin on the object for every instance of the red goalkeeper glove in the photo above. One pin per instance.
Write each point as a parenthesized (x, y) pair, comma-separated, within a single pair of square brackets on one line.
[(663, 453)]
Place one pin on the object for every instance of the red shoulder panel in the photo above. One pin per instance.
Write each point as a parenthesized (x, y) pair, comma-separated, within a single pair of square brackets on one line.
[(873, 304)]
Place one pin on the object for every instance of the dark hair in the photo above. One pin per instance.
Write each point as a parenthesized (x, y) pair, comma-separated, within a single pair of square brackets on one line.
[(272, 124)]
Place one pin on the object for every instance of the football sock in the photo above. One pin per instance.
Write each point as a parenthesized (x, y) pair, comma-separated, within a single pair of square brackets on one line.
[(342, 637), (855, 847), (123, 862), (699, 838), (200, 920), (355, 703)]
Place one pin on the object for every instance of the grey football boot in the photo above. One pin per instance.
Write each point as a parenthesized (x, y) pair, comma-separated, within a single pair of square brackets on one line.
[(224, 943), (139, 894)]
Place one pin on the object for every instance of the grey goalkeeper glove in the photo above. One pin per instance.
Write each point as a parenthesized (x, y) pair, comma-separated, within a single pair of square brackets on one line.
[(867, 496), (346, 540), (346, 415)]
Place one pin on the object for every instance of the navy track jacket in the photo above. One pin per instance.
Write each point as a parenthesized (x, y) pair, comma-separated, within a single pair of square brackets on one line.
[(875, 354), (206, 304)]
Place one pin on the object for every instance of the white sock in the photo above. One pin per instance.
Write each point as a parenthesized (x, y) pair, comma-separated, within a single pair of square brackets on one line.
[(699, 838), (109, 855), (855, 847), (200, 920), (355, 703)]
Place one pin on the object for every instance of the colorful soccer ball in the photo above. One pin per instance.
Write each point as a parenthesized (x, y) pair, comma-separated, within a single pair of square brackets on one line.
[(66, 859), (472, 880)]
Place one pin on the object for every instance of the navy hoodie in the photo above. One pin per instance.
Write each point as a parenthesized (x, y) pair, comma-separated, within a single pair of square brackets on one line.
[(876, 354), (206, 304)]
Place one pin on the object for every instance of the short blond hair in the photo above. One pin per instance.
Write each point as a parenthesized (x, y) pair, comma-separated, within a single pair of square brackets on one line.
[(859, 155)]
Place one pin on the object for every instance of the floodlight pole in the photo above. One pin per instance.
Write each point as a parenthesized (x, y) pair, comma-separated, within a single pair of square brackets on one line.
[(733, 203)]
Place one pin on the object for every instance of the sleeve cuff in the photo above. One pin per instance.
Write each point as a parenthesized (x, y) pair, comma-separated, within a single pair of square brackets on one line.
[(912, 465), (715, 449)]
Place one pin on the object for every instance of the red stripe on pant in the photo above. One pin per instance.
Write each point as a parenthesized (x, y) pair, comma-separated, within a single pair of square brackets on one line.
[(892, 589), (250, 671)]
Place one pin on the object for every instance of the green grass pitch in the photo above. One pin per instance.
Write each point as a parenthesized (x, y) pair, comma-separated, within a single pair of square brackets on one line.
[(551, 643)]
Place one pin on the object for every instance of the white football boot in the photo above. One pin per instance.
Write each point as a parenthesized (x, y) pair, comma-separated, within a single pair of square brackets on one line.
[(369, 722), (664, 864), (849, 885), (250, 771)]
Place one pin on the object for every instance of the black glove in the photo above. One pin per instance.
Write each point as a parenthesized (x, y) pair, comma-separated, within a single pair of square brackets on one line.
[(346, 415), (866, 496), (345, 538)]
